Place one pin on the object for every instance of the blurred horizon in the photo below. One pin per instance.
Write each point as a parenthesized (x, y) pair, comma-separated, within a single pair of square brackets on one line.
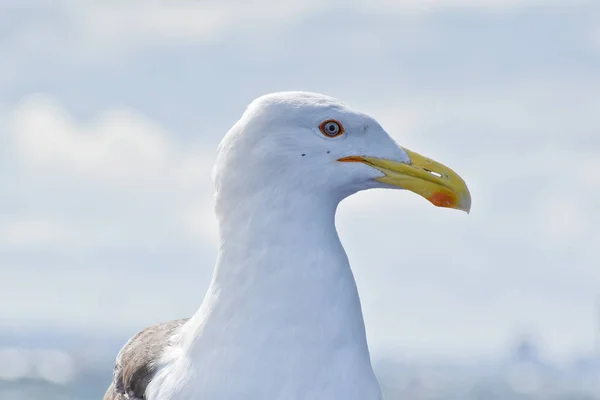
[(111, 112), (76, 366)]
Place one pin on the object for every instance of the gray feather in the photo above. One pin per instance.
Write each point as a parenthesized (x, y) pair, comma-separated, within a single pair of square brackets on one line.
[(136, 362)]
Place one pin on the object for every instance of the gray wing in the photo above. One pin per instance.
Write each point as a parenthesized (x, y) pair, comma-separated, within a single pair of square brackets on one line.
[(136, 362)]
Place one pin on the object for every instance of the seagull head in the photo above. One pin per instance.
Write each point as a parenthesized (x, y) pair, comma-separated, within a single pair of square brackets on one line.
[(312, 144)]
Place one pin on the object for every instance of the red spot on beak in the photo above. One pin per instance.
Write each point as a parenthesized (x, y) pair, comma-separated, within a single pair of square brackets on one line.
[(440, 199)]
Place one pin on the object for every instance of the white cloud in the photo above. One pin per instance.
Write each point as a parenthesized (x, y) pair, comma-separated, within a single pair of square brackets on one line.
[(106, 24), (589, 173), (435, 5), (564, 219), (29, 231), (595, 35), (111, 25), (120, 145), (518, 109), (119, 165), (116, 21)]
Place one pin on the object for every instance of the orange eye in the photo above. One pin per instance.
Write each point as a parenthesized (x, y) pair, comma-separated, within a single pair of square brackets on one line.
[(331, 128)]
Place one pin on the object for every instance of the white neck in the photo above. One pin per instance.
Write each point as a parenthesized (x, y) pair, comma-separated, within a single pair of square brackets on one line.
[(282, 313)]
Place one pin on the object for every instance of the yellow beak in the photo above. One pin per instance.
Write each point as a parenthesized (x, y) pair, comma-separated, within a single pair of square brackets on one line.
[(423, 176)]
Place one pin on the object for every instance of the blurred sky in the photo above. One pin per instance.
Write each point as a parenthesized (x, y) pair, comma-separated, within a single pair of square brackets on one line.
[(111, 111)]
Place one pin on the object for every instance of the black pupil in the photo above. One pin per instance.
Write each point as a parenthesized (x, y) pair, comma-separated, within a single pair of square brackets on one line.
[(332, 128)]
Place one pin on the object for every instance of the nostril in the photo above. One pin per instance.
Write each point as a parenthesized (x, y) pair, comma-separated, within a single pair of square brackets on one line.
[(433, 173)]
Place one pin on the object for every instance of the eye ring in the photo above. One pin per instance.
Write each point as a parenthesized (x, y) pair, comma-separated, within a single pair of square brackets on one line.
[(331, 128)]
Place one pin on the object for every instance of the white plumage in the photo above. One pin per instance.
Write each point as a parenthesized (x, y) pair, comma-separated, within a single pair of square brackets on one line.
[(282, 318)]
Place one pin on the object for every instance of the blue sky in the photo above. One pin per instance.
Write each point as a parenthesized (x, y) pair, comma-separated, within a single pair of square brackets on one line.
[(110, 113)]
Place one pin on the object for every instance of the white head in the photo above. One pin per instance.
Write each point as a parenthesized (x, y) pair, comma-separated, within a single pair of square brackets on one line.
[(298, 143)]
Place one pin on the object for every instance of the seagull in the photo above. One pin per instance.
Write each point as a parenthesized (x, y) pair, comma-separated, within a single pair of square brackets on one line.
[(282, 319)]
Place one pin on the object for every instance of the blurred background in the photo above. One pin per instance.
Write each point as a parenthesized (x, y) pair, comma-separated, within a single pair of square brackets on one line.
[(110, 114)]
